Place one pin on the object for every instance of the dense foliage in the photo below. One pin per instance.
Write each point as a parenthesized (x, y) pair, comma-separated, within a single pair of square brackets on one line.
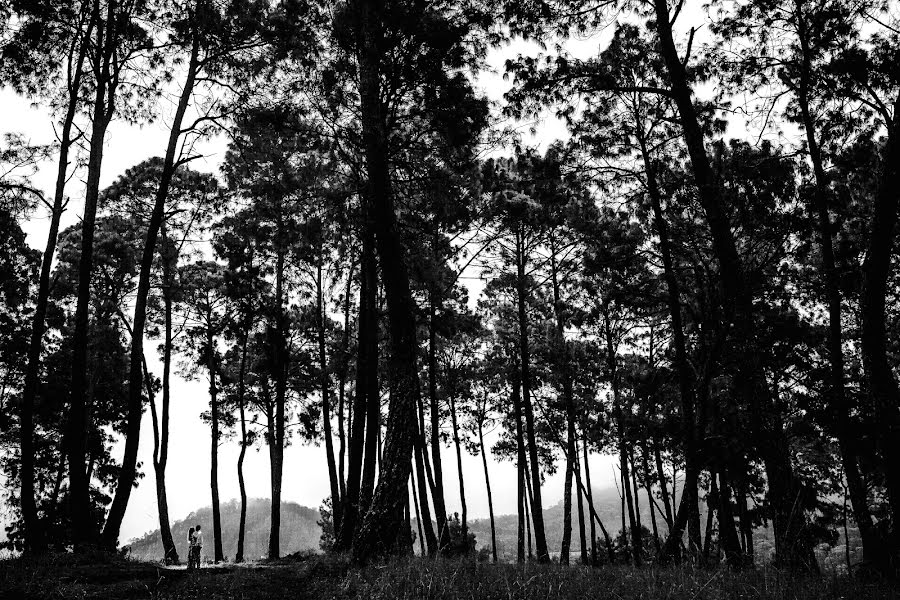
[(699, 279)]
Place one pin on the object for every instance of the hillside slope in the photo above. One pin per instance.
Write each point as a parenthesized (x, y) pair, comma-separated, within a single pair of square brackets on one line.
[(299, 531)]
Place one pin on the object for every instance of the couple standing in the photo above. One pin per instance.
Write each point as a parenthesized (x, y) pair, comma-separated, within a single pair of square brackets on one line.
[(195, 545)]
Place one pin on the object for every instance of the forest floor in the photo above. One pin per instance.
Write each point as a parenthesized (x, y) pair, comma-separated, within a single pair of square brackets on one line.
[(325, 578)]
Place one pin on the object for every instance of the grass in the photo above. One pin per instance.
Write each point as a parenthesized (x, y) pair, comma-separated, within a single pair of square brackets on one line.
[(331, 577)]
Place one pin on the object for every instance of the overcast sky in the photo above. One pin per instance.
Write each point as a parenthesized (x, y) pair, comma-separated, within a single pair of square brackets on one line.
[(305, 468)]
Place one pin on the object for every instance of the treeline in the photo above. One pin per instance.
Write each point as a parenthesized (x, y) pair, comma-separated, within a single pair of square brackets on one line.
[(720, 314)]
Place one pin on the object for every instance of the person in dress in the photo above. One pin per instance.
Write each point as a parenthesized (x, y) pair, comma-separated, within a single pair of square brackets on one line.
[(190, 539)]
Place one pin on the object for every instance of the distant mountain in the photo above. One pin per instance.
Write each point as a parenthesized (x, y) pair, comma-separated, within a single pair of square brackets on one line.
[(607, 503), (299, 531)]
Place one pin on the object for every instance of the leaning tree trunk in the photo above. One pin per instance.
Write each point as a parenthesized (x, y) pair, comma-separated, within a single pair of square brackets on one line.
[(529, 509), (128, 470), (378, 532), (663, 487), (878, 368), (792, 548), (487, 484), (589, 496), (579, 487)]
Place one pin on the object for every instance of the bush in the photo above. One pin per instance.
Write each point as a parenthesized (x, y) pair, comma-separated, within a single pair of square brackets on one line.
[(461, 543)]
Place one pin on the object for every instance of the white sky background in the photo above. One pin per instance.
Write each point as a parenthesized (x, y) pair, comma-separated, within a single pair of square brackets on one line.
[(305, 469)]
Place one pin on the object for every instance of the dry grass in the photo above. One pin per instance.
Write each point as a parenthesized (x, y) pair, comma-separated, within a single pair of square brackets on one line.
[(456, 581), (325, 578)]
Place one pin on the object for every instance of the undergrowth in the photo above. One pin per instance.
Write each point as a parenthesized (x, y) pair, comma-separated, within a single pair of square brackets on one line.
[(331, 577)]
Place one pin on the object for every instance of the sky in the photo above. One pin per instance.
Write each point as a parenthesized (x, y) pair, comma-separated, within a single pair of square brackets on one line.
[(305, 468)]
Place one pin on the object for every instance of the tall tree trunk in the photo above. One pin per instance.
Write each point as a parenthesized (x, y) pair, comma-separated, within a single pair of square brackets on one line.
[(218, 554), (242, 523), (712, 505), (425, 527), (424, 478), (128, 470), (610, 549), (540, 538), (621, 489), (683, 368), (377, 532), (35, 539), (579, 493), (589, 495), (728, 537), (324, 385), (85, 531), (274, 467), (520, 465), (628, 500), (275, 471), (412, 485), (746, 524), (161, 424), (366, 328), (663, 487), (440, 507), (567, 506), (879, 372), (639, 538), (371, 459), (651, 501), (462, 483), (487, 484), (842, 417), (280, 367), (170, 553), (342, 384), (566, 378), (791, 547), (623, 451), (529, 515), (162, 497)]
